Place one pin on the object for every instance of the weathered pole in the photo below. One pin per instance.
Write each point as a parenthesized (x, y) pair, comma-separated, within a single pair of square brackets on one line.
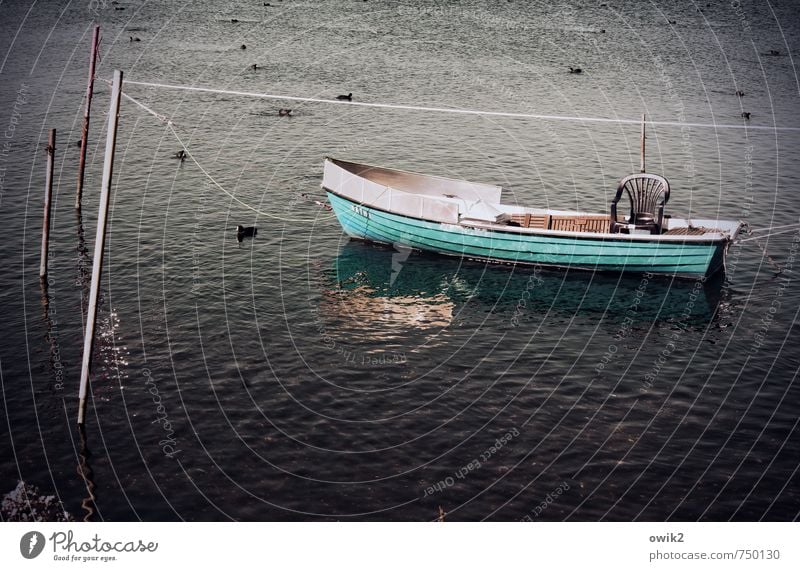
[(87, 111), (48, 193), (99, 242), (643, 138)]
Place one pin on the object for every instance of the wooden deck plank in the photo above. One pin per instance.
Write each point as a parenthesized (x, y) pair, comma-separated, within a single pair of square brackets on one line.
[(567, 223), (690, 231)]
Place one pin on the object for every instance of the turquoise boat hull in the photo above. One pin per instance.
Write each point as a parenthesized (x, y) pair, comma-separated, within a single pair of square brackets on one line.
[(615, 253)]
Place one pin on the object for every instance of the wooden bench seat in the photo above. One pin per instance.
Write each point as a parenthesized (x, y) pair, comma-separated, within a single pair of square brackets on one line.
[(571, 223), (539, 221), (600, 224)]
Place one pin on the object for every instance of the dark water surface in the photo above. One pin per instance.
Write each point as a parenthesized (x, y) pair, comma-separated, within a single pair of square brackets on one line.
[(304, 376)]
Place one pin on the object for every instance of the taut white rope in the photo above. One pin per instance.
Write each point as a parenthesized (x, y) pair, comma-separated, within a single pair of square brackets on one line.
[(459, 110), (783, 229), (760, 236), (794, 225), (162, 118)]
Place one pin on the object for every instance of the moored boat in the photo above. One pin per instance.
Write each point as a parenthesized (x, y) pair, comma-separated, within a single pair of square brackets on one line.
[(466, 219)]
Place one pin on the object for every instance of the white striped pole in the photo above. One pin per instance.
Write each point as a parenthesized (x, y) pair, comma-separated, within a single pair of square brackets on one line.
[(99, 243)]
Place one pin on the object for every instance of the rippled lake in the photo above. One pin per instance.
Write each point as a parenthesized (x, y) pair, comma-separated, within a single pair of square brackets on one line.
[(304, 376)]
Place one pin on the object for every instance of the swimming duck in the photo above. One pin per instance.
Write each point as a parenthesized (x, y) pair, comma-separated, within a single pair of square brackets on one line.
[(285, 112), (575, 70), (348, 97), (243, 232)]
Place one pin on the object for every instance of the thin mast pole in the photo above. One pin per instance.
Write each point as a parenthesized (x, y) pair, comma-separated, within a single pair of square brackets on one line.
[(87, 111), (643, 144), (48, 193)]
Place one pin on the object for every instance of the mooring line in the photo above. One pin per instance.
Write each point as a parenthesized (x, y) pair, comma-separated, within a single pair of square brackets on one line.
[(793, 225), (219, 186), (761, 236), (169, 123), (162, 118), (456, 110), (776, 265), (782, 229)]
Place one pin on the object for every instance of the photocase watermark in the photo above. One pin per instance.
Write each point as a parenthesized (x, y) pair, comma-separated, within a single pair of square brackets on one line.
[(502, 91), (96, 5), (10, 131), (547, 501), (67, 548), (624, 328), (764, 325), (31, 545), (680, 110), (52, 336), (358, 143), (349, 355), (302, 193), (453, 12), (16, 114), (671, 345), (473, 465), (534, 281), (747, 203), (739, 11), (371, 358), (199, 214), (661, 74), (169, 443)]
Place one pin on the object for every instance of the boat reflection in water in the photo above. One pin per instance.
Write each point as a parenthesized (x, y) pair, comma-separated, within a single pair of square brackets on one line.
[(373, 285), (364, 288)]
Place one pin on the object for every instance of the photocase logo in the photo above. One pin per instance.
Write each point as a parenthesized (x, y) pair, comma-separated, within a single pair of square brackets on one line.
[(31, 544)]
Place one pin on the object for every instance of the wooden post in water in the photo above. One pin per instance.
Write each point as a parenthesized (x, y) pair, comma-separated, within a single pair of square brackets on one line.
[(643, 138), (87, 111), (48, 192), (99, 242)]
